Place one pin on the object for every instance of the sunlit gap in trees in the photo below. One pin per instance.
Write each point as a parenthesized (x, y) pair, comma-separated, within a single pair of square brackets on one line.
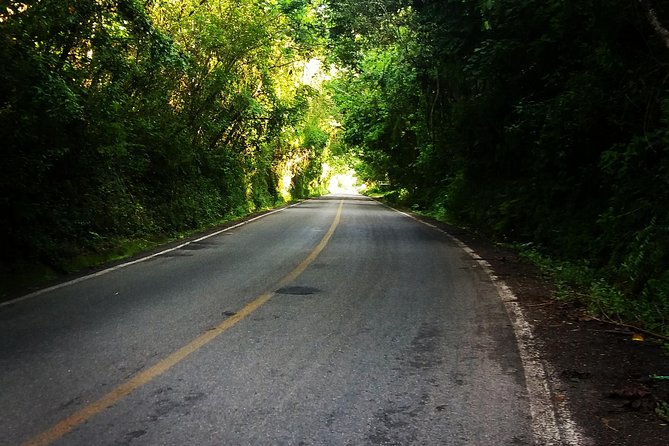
[(303, 149), (292, 165), (314, 74), (11, 10), (342, 182)]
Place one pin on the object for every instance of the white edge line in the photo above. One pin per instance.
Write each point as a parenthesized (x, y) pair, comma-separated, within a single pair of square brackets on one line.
[(552, 423), (142, 259)]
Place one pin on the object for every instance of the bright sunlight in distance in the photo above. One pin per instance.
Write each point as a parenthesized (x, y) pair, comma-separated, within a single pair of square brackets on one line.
[(345, 183)]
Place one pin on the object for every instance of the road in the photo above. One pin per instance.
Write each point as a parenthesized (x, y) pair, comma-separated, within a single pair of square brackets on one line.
[(334, 322)]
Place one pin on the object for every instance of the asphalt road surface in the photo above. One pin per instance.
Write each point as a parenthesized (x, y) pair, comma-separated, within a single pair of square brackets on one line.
[(334, 322)]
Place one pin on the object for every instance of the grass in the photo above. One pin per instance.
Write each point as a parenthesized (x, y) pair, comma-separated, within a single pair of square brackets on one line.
[(579, 282), (27, 276)]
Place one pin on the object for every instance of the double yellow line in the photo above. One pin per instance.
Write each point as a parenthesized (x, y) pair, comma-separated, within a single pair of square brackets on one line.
[(64, 426)]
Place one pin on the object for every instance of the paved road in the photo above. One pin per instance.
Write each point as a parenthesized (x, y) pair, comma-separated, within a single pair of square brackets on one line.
[(381, 332)]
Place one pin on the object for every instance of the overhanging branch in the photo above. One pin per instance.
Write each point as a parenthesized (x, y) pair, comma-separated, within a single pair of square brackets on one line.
[(659, 29)]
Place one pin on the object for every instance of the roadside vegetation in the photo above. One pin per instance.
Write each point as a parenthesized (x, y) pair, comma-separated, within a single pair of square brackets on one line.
[(125, 123), (539, 123)]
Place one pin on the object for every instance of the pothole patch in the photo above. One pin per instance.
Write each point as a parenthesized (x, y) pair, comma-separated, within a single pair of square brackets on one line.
[(297, 290)]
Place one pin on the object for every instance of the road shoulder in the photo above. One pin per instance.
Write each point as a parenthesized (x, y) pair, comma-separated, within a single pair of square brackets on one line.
[(599, 371)]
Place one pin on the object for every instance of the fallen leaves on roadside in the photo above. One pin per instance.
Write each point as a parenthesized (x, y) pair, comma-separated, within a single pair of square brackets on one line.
[(606, 422), (631, 392), (638, 397)]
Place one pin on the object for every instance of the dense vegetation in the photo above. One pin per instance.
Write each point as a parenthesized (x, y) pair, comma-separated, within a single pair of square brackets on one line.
[(541, 122), (127, 121)]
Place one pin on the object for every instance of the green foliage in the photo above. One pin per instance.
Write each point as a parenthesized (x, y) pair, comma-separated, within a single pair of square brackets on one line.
[(662, 411), (534, 121), (380, 103), (133, 120), (594, 289)]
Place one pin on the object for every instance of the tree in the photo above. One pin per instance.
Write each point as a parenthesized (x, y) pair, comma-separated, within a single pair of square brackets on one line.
[(528, 120), (131, 120)]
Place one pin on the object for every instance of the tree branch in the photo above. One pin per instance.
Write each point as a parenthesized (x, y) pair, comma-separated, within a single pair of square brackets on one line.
[(659, 29), (608, 320)]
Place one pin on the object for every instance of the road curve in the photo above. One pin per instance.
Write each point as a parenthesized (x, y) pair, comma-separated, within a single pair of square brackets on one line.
[(334, 322)]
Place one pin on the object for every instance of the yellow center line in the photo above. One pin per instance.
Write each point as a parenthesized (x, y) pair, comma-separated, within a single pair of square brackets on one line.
[(66, 425)]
